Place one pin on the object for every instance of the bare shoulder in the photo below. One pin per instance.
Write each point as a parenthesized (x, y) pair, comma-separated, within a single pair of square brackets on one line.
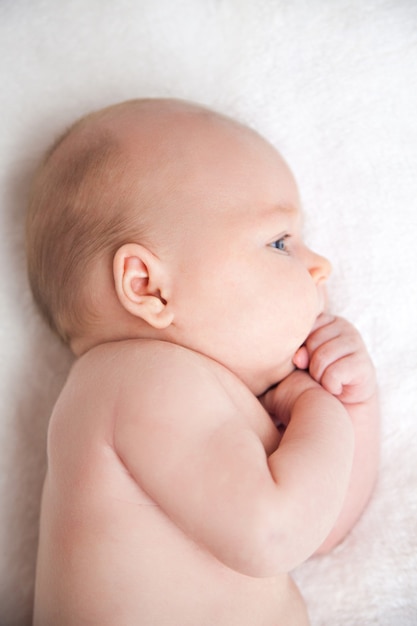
[(165, 378), (141, 363), (148, 380), (144, 353), (138, 360), (148, 377), (156, 385), (165, 387), (134, 395)]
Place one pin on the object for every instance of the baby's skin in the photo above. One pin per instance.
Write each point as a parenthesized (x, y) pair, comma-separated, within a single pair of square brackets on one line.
[(178, 512), (198, 455)]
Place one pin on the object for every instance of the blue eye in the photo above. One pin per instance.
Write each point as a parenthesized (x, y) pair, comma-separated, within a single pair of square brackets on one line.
[(280, 244)]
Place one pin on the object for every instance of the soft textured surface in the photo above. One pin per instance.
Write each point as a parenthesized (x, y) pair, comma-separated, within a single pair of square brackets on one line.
[(334, 85)]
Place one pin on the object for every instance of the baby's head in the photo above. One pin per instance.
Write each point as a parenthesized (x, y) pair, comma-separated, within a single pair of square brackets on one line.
[(161, 219)]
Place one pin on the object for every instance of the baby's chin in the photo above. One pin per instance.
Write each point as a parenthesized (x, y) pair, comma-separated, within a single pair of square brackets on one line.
[(299, 360), (278, 376), (291, 362)]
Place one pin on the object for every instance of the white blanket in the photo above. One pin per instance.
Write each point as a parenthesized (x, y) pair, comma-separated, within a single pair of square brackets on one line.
[(333, 84)]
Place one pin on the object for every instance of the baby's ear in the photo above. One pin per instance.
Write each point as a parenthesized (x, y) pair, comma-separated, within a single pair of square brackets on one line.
[(141, 284)]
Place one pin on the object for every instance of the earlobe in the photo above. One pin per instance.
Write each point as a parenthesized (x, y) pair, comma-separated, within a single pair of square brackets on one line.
[(140, 283)]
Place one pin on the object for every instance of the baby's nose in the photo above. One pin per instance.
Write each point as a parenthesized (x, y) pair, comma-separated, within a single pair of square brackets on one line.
[(320, 268)]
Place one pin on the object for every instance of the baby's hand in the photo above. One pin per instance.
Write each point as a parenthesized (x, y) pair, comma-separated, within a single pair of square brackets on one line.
[(279, 401), (336, 357)]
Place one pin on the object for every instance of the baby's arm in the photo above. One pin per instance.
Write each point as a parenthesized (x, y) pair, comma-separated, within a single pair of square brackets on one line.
[(186, 443), (314, 458), (337, 358)]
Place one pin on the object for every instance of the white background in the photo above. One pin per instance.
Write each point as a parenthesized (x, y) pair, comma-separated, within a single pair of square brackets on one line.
[(333, 84)]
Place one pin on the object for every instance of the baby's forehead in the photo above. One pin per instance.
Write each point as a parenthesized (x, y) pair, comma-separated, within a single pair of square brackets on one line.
[(151, 126), (151, 135), (160, 149)]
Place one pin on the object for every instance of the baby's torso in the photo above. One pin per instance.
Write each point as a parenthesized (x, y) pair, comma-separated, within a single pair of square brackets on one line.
[(109, 556)]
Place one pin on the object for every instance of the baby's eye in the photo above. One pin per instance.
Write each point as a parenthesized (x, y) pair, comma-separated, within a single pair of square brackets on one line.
[(280, 244)]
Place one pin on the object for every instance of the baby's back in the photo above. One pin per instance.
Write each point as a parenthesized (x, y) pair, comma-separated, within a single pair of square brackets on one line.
[(108, 554)]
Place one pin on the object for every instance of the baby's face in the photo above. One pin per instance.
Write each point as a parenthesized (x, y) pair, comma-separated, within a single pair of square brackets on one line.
[(246, 290)]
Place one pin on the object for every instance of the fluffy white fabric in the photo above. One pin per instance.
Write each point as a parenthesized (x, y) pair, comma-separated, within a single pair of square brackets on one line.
[(334, 86)]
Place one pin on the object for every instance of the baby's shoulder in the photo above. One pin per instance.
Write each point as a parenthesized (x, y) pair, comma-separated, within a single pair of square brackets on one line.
[(145, 366), (153, 387), (143, 356)]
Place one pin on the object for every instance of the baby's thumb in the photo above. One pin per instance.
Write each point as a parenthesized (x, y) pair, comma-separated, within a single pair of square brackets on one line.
[(301, 359)]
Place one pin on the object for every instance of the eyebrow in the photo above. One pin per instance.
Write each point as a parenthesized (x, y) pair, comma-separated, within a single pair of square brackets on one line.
[(283, 209)]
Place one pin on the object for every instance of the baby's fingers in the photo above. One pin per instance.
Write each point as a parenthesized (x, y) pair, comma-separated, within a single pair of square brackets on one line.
[(349, 380), (328, 353), (301, 358), (331, 340)]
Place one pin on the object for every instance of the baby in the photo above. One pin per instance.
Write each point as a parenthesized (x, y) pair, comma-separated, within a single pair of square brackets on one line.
[(219, 425)]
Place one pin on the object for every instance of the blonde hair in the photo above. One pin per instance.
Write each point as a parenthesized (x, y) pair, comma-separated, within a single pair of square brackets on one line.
[(78, 212)]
